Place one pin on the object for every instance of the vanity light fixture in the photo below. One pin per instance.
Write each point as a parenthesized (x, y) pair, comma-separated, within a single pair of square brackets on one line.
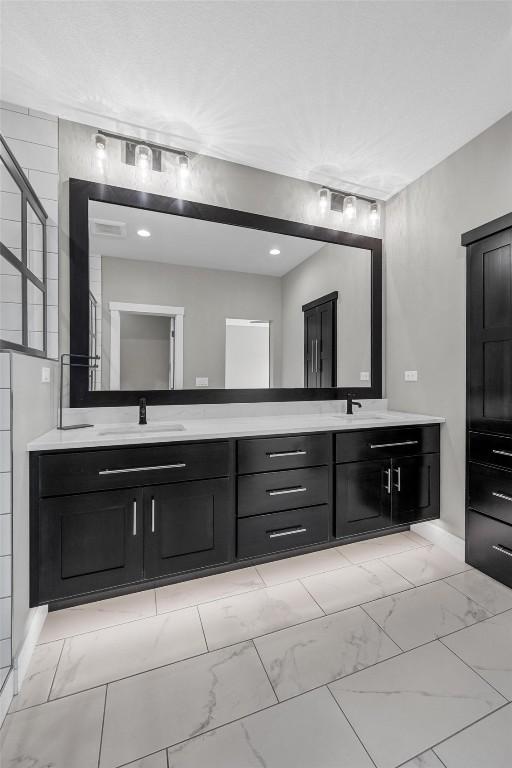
[(143, 157), (324, 199), (100, 142), (183, 165), (274, 251), (349, 207), (374, 215), (144, 233)]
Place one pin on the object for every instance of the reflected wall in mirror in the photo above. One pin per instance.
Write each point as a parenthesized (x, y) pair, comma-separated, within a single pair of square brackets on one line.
[(183, 303)]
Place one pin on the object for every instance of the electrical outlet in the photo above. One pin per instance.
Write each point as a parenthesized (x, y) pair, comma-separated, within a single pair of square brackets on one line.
[(364, 376), (45, 375), (411, 375), (201, 381)]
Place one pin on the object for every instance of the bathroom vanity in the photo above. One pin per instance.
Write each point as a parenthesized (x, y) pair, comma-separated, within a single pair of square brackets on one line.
[(113, 513)]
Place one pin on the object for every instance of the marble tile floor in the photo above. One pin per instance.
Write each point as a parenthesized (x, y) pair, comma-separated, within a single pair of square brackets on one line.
[(377, 654)]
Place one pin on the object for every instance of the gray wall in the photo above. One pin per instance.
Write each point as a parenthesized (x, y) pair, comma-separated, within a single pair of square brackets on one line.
[(332, 268), (144, 351), (209, 297), (425, 290)]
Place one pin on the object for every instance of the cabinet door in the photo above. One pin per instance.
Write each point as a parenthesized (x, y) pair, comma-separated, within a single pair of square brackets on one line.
[(326, 354), (311, 334), (415, 488), (88, 542), (363, 497), (188, 526)]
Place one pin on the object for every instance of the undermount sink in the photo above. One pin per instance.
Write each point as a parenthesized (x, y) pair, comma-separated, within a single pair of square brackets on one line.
[(140, 429)]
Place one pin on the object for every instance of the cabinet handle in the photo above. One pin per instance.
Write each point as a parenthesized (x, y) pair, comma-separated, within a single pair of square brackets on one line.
[(392, 445), (502, 453), (398, 478), (504, 550), (278, 454), (502, 496), (283, 491), (180, 465), (387, 472), (134, 522), (312, 355), (152, 515), (316, 357), (277, 534)]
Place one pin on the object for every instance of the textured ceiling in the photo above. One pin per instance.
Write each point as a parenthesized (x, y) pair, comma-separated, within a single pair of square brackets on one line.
[(370, 94)]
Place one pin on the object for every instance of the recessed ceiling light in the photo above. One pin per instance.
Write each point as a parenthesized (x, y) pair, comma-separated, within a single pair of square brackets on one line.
[(274, 251), (144, 233)]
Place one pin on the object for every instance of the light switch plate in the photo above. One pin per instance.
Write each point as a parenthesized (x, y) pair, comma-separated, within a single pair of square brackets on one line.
[(45, 375), (201, 381), (364, 376), (411, 375)]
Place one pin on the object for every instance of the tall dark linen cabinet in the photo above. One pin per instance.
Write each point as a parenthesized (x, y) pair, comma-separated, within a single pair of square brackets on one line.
[(489, 399)]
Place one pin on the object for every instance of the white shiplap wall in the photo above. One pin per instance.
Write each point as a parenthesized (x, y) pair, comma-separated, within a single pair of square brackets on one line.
[(33, 138)]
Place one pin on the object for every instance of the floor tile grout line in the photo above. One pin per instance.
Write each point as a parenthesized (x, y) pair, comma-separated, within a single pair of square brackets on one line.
[(266, 673), (348, 564), (202, 629), (313, 597), (102, 725), (145, 757), (498, 613), (56, 669), (474, 670), (351, 726), (402, 650), (101, 629)]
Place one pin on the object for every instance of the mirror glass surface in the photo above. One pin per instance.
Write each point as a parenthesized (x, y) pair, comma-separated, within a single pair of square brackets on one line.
[(182, 303)]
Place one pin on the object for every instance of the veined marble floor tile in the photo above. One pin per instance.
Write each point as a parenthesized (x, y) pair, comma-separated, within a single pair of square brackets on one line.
[(487, 744), (207, 588), (110, 654), (351, 586), (291, 568), (426, 760), (307, 732), (394, 543), (312, 654), (238, 618), (423, 614), (401, 707), (151, 711), (487, 648), (158, 760), (495, 597), (421, 541), (93, 616), (38, 680), (60, 734), (426, 564)]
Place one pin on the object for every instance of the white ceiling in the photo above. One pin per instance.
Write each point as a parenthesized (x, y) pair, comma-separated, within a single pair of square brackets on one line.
[(359, 95), (196, 243)]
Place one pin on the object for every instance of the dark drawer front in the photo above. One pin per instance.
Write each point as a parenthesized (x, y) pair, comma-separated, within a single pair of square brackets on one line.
[(490, 449), (490, 491), (272, 491), (128, 467), (489, 546), (274, 453), (279, 531), (384, 443)]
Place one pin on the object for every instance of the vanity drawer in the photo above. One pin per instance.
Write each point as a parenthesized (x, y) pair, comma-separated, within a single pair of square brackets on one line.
[(384, 443), (490, 491), (490, 449), (103, 469), (273, 491), (278, 531), (489, 546), (272, 453)]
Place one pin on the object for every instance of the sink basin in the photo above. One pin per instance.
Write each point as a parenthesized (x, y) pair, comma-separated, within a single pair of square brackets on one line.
[(140, 429)]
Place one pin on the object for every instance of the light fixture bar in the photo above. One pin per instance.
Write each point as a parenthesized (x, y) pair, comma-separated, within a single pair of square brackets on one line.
[(342, 193), (137, 141)]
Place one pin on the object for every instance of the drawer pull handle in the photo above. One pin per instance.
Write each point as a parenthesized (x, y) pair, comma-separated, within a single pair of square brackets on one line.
[(278, 454), (502, 453), (283, 491), (152, 515), (502, 496), (180, 465), (503, 550), (134, 521), (292, 532), (392, 445)]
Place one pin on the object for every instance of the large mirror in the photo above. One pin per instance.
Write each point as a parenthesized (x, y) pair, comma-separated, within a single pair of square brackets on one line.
[(187, 304)]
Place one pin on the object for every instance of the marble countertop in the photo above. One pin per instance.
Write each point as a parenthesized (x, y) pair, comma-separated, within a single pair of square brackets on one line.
[(104, 435)]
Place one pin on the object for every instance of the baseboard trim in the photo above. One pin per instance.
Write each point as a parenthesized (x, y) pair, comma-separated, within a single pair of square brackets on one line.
[(6, 695), (454, 545), (22, 660)]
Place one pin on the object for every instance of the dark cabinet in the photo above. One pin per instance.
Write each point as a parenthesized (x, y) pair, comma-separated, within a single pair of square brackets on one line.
[(415, 489), (320, 342), (89, 542), (188, 526)]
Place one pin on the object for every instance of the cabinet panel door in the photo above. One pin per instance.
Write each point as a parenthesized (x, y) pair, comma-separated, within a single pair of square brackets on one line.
[(89, 541), (311, 334), (188, 526), (415, 488), (363, 497)]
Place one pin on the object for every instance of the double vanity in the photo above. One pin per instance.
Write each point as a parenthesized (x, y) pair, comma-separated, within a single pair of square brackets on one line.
[(118, 508)]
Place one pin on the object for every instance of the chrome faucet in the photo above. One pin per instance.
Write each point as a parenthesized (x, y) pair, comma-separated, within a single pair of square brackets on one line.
[(351, 403), (142, 410)]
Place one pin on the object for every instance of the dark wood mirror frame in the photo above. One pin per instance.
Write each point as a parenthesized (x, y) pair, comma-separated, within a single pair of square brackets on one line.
[(80, 192)]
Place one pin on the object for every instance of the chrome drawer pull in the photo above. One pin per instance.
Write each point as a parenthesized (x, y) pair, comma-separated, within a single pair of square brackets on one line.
[(134, 522), (180, 465), (503, 550), (152, 515), (278, 454), (502, 496), (282, 491), (502, 453), (392, 445), (277, 534)]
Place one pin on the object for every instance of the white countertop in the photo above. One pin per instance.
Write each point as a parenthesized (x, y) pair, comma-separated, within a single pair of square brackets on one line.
[(104, 435)]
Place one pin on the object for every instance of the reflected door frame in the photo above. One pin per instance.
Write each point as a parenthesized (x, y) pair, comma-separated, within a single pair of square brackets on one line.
[(175, 339)]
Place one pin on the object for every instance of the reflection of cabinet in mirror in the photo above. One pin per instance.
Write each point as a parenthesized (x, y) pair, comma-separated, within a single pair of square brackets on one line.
[(320, 341)]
